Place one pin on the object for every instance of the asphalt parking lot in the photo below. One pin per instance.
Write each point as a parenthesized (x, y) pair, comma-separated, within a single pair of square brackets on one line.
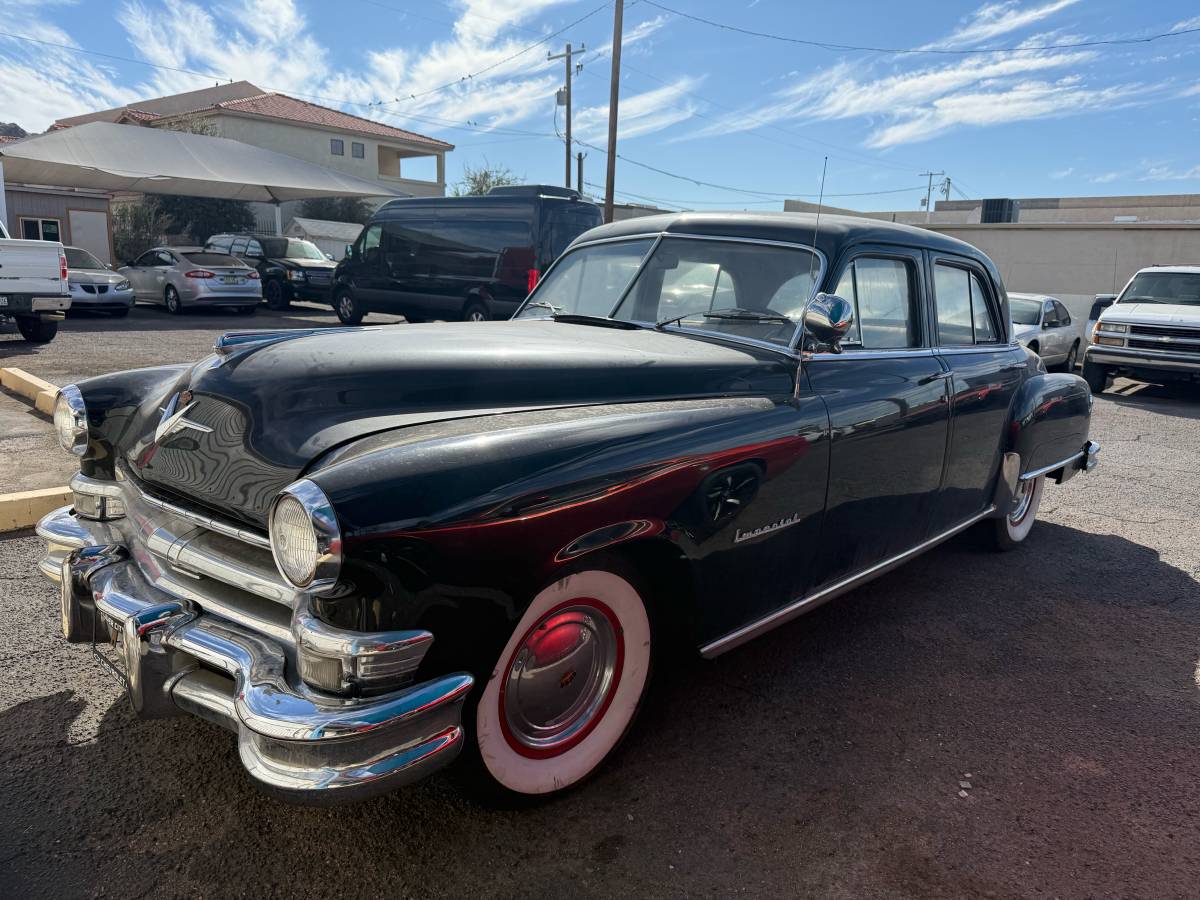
[(972, 724)]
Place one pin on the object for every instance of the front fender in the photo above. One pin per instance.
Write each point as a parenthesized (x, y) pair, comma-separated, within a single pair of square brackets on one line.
[(1049, 420)]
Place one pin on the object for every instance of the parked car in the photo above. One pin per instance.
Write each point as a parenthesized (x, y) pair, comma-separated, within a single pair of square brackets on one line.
[(179, 277), (33, 289), (1151, 332), (471, 258), (290, 268), (95, 286), (1043, 325), (276, 536)]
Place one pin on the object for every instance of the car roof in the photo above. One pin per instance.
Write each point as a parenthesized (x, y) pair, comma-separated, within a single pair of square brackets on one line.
[(1022, 296), (1172, 270), (832, 232)]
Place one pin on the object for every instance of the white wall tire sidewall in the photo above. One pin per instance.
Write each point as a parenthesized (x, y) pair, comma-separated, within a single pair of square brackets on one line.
[(1018, 531), (524, 775)]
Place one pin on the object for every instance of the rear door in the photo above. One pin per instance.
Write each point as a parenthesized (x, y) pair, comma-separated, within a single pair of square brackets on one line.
[(986, 370), (888, 410)]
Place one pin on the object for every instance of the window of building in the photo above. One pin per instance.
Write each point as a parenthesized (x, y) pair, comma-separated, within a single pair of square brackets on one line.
[(41, 229), (881, 290), (964, 312), (357, 150), (337, 146)]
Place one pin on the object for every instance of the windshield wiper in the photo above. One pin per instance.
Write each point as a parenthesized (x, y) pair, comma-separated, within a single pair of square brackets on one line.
[(745, 315), (601, 321), (541, 304)]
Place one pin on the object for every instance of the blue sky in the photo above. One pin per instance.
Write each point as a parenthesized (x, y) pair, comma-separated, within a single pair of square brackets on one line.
[(705, 104)]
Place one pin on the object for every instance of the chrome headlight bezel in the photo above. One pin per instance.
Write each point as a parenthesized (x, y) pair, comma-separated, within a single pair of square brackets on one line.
[(70, 420), (322, 571)]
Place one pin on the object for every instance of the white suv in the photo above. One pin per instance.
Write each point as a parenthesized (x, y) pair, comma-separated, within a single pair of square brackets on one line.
[(1152, 331)]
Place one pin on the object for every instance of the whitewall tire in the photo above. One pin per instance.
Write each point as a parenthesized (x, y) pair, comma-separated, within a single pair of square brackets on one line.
[(1015, 526), (567, 685)]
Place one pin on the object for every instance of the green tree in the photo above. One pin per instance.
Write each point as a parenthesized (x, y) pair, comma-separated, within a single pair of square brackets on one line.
[(137, 227), (337, 209), (478, 181)]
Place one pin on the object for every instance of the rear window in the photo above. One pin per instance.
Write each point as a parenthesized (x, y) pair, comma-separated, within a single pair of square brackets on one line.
[(562, 223), (213, 259), (81, 259)]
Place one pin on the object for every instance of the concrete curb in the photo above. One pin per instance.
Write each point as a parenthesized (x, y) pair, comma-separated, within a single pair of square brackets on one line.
[(23, 508), (38, 392)]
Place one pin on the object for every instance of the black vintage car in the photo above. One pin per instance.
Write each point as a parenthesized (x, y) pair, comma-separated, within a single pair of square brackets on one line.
[(290, 268), (366, 550)]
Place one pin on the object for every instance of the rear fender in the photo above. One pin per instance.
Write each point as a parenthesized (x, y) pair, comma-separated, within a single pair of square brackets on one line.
[(1048, 425)]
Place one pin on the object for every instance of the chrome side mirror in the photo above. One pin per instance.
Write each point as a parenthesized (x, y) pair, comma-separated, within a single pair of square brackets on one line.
[(828, 318)]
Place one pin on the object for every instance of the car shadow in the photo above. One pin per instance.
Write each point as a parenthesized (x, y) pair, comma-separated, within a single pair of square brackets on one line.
[(828, 757), (1174, 398)]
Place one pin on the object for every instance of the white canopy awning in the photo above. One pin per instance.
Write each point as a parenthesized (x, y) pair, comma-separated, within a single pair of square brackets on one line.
[(108, 157)]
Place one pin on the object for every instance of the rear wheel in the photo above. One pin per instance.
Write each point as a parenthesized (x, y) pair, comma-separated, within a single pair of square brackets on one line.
[(347, 308), (1072, 358), (174, 304), (1015, 526), (275, 295), (1096, 376), (475, 311), (567, 686), (37, 330)]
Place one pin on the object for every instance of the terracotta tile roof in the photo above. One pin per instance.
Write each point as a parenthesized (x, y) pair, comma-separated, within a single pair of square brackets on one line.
[(281, 106), (138, 115), (8, 138)]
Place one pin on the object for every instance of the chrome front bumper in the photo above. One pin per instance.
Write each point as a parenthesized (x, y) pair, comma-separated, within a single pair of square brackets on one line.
[(174, 656), (1142, 359)]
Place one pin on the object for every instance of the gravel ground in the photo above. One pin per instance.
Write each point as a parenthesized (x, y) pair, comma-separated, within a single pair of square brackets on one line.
[(973, 724)]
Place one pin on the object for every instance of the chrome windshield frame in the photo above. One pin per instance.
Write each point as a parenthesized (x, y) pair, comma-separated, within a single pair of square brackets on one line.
[(788, 349)]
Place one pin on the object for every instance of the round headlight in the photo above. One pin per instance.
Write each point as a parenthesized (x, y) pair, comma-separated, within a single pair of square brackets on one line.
[(305, 539), (70, 420)]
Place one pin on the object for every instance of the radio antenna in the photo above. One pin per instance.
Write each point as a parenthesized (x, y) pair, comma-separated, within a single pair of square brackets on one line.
[(812, 269)]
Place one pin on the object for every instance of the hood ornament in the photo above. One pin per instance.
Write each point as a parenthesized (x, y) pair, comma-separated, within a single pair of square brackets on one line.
[(173, 420)]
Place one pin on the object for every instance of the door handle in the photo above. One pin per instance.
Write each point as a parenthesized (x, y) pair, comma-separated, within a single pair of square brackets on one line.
[(930, 379)]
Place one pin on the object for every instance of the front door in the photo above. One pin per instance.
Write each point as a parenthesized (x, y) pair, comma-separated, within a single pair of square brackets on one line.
[(889, 416), (987, 370)]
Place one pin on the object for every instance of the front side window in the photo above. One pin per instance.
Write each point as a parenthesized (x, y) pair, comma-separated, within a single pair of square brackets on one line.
[(149, 258), (220, 244), (254, 248), (881, 290), (239, 247), (1163, 287), (370, 243), (964, 314)]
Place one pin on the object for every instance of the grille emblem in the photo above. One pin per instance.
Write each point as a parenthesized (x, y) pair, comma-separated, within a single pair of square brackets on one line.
[(173, 420)]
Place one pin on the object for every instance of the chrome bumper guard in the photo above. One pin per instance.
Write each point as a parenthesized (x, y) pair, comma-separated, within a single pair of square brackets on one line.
[(1064, 470), (173, 657)]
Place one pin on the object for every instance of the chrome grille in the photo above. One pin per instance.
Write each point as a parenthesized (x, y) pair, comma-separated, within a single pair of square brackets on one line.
[(1166, 331), (1173, 346)]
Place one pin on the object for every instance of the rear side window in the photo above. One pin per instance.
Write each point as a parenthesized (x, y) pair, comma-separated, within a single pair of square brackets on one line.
[(882, 293), (1064, 317), (964, 312), (499, 250)]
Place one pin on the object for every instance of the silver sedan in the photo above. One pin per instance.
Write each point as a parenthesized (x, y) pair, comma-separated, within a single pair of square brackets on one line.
[(1043, 325), (95, 286), (184, 277)]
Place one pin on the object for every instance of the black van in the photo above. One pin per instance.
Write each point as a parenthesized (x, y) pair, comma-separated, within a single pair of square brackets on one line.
[(471, 258)]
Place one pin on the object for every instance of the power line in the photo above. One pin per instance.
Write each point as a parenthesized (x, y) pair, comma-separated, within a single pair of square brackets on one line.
[(470, 76), (141, 62), (946, 51)]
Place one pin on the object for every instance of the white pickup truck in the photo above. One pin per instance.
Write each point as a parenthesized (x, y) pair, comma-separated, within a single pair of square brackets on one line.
[(1151, 332), (33, 286)]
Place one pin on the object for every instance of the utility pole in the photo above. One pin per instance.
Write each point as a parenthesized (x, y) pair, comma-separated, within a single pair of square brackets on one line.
[(614, 90), (579, 172), (566, 55), (929, 195)]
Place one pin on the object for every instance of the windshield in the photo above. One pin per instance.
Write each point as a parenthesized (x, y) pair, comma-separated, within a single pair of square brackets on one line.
[(725, 287), (1025, 312), (291, 248), (81, 259), (1163, 287)]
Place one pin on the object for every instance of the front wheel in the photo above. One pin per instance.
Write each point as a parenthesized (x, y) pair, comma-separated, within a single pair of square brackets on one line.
[(1015, 526), (566, 687), (37, 330), (275, 295), (1096, 376), (174, 304), (347, 309)]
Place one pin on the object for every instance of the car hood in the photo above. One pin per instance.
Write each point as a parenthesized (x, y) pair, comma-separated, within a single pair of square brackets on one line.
[(293, 263), (94, 276), (1153, 313), (259, 413)]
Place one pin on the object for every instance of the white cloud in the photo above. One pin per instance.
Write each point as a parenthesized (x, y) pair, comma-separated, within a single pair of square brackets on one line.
[(995, 19), (1106, 178), (1063, 173), (641, 114), (1169, 173)]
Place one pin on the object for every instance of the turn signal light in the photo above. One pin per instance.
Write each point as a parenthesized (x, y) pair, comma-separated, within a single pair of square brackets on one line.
[(62, 265), (198, 273), (532, 279)]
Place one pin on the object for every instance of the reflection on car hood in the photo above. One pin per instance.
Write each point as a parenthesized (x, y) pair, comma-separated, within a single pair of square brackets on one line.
[(267, 410), (309, 263), (93, 276), (1153, 313)]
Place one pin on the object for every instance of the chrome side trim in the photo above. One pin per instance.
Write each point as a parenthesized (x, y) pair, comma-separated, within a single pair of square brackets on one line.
[(804, 604), (221, 526)]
